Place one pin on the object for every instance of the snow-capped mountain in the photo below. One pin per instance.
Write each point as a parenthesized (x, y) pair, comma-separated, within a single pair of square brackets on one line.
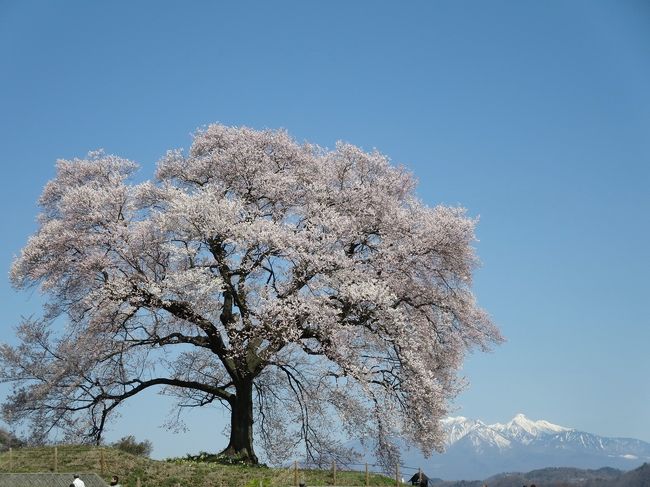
[(476, 450), (522, 429), (478, 433)]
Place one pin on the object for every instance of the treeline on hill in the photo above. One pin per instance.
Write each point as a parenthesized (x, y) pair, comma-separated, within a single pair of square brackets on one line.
[(561, 477)]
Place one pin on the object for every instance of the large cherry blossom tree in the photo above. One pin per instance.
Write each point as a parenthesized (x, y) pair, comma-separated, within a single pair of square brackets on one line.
[(298, 287)]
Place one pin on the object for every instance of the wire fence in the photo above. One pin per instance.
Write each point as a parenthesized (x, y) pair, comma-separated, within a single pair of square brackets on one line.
[(362, 474), (143, 472)]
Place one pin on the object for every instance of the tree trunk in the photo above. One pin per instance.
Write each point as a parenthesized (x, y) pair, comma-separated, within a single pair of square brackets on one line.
[(240, 446)]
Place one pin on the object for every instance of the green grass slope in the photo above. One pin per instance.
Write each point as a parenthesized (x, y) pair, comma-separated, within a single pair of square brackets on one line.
[(185, 473)]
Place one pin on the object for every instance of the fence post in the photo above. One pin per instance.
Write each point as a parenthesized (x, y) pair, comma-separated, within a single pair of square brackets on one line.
[(367, 477), (334, 473), (397, 475), (137, 482), (56, 459), (11, 459), (102, 461), (295, 473)]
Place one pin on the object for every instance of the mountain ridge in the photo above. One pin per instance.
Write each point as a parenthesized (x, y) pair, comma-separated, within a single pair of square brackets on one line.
[(477, 450)]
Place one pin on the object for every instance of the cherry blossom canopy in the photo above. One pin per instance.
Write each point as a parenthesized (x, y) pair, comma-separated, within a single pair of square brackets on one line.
[(296, 286)]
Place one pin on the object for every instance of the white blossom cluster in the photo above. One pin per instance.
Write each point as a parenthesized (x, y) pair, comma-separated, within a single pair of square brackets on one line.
[(298, 285)]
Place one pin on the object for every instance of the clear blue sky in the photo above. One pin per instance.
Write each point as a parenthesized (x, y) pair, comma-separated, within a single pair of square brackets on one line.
[(533, 115)]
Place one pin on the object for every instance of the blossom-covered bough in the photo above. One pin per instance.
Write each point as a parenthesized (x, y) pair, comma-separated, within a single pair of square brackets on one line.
[(308, 291)]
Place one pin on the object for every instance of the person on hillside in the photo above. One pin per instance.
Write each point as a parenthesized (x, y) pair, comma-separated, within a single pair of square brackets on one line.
[(115, 481), (420, 479), (77, 482)]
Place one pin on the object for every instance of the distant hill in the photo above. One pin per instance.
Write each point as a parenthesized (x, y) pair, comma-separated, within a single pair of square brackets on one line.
[(639, 477), (561, 477)]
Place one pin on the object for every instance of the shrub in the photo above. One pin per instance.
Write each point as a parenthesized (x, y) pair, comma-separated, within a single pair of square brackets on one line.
[(8, 440), (129, 444)]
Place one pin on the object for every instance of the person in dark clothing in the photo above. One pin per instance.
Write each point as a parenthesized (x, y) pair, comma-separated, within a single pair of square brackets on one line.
[(420, 479)]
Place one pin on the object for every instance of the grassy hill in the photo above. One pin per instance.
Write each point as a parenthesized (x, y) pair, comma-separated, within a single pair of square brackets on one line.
[(186, 473)]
